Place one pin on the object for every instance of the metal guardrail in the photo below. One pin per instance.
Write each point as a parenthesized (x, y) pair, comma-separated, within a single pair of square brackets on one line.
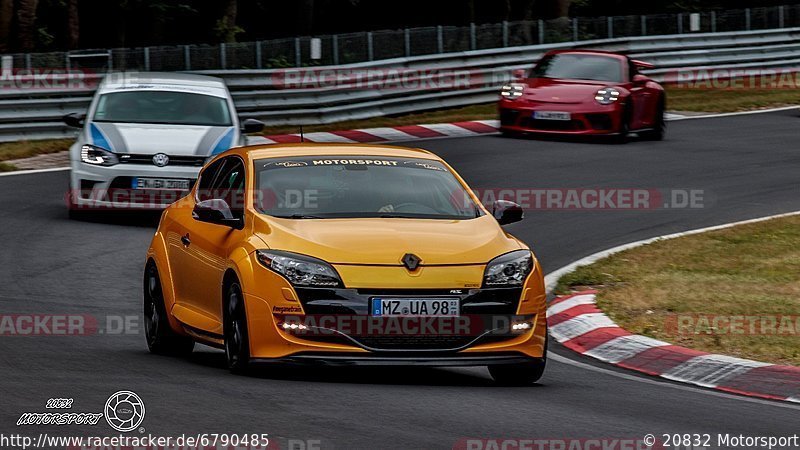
[(384, 44), (264, 94)]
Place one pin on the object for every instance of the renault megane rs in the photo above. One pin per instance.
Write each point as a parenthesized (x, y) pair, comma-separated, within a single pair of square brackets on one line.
[(583, 92), (344, 254)]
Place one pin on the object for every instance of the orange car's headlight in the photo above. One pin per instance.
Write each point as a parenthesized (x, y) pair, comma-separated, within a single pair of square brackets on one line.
[(508, 270), (300, 270)]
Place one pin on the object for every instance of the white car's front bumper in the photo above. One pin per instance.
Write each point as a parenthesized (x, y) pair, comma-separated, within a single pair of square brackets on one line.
[(98, 187)]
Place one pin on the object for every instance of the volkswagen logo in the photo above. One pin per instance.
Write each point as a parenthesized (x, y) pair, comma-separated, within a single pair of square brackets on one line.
[(160, 160), (124, 411)]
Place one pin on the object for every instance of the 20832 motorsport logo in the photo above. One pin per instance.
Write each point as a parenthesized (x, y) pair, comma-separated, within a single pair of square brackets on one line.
[(124, 411)]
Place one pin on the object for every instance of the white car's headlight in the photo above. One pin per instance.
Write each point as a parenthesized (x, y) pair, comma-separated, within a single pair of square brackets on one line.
[(508, 270), (97, 156), (512, 91), (300, 270), (607, 96)]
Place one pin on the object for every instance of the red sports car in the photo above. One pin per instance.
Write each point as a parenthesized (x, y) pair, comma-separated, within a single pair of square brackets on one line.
[(584, 92)]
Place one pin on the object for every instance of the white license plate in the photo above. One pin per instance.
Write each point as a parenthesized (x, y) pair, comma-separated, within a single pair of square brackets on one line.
[(552, 115), (172, 184), (425, 307)]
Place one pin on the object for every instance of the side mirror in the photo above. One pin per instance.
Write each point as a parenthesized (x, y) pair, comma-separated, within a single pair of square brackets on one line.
[(252, 126), (506, 212), (640, 80), (218, 212), (519, 74), (74, 120), (641, 65)]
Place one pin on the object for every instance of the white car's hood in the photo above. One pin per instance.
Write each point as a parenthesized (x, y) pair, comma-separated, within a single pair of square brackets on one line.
[(149, 139)]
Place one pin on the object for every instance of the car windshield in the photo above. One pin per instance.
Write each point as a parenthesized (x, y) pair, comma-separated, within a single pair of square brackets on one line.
[(163, 107), (360, 187), (573, 66)]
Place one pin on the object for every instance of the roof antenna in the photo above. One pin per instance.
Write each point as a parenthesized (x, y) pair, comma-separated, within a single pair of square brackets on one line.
[(302, 136)]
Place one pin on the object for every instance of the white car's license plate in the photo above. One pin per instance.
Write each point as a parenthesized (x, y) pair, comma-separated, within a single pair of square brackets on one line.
[(431, 307), (552, 115), (172, 184)]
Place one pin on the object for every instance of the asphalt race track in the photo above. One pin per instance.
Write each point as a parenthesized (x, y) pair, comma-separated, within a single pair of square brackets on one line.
[(748, 166)]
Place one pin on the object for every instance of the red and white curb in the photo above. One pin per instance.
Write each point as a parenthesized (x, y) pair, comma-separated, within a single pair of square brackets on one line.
[(398, 134), (391, 134), (577, 323)]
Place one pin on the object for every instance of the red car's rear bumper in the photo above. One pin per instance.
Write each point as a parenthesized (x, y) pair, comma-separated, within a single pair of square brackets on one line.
[(584, 119)]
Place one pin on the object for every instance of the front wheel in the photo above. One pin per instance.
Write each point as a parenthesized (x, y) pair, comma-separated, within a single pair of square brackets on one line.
[(161, 339), (624, 127), (237, 343), (659, 124), (523, 374)]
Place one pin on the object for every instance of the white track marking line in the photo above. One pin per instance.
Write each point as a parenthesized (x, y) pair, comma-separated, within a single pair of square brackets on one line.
[(738, 113), (681, 387), (569, 303), (33, 171)]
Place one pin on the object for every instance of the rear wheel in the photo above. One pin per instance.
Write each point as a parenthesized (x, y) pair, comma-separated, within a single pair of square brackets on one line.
[(161, 339), (237, 343), (523, 374)]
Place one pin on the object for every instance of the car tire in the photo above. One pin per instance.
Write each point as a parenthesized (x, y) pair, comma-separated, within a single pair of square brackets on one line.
[(660, 127), (509, 134), (523, 374), (161, 339), (237, 343), (624, 127)]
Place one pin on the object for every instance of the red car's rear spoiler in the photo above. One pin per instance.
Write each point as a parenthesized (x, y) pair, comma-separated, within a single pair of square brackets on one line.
[(642, 64)]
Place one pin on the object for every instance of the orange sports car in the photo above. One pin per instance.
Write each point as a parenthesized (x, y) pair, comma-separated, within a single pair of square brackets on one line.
[(344, 254)]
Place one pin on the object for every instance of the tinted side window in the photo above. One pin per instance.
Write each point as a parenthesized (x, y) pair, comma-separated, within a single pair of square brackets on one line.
[(206, 181), (229, 184)]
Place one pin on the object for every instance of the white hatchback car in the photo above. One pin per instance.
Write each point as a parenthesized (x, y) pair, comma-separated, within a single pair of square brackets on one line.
[(146, 136)]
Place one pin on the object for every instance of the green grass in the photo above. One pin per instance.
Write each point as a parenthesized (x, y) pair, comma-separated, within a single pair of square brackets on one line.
[(721, 101), (25, 149), (6, 167), (750, 270)]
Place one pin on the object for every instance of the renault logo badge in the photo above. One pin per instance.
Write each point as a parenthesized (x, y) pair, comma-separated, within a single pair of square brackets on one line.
[(411, 261), (160, 160)]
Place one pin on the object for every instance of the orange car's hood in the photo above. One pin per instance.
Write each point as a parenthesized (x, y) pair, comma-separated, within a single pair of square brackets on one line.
[(385, 241)]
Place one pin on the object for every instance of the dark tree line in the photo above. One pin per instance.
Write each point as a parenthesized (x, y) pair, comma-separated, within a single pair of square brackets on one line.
[(40, 25)]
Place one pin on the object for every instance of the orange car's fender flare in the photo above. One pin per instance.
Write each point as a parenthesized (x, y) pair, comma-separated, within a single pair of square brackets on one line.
[(158, 253)]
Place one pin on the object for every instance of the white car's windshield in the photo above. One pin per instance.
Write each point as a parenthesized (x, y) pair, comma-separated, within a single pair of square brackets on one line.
[(163, 107), (360, 187), (572, 66)]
